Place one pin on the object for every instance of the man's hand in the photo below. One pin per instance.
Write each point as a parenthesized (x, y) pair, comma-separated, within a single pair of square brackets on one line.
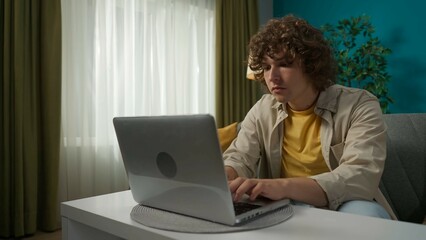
[(269, 188), (300, 189), (231, 174)]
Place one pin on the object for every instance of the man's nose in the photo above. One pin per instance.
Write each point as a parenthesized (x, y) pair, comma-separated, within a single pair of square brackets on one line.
[(274, 74)]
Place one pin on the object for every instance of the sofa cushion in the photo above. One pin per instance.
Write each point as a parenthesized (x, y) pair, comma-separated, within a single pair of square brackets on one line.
[(404, 177), (226, 135)]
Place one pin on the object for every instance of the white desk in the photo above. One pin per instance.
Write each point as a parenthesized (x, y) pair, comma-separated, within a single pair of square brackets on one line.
[(108, 217)]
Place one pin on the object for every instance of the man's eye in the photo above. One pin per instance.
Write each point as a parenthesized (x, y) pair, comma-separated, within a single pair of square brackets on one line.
[(266, 67)]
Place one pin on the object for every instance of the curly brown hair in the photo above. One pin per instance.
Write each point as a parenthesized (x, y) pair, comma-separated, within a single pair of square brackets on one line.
[(297, 39)]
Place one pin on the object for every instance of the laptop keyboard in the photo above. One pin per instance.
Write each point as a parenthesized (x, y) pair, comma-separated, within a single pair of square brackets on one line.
[(242, 207)]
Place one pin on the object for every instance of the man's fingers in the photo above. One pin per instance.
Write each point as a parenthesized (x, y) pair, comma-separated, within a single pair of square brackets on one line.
[(234, 184), (244, 188), (256, 191), (255, 188)]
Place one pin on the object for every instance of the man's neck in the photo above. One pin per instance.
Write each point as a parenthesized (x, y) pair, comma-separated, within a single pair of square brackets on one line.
[(311, 99)]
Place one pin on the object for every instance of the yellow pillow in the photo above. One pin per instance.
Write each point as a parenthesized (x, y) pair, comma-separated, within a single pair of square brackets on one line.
[(226, 135)]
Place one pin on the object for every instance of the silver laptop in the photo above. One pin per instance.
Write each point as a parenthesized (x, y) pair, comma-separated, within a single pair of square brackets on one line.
[(174, 163)]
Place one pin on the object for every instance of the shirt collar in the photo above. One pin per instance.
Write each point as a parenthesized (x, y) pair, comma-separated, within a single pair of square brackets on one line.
[(327, 99)]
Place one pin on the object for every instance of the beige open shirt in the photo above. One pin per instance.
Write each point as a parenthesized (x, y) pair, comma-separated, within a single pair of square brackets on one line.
[(353, 139)]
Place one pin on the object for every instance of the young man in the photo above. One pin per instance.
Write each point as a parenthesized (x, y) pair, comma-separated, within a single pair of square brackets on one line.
[(309, 139)]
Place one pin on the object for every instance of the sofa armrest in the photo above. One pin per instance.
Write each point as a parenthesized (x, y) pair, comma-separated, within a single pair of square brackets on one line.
[(404, 177)]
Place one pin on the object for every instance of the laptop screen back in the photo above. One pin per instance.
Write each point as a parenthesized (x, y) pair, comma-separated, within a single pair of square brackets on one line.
[(175, 163)]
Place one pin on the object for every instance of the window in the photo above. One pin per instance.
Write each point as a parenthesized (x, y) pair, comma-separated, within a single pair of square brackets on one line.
[(127, 58)]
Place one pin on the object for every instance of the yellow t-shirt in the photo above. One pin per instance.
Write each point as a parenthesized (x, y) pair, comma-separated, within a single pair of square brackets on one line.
[(302, 155)]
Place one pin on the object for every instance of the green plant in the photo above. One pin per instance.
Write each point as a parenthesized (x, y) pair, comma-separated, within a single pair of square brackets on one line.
[(360, 57)]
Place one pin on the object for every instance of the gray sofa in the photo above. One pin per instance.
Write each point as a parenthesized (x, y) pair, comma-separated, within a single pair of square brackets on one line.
[(404, 177)]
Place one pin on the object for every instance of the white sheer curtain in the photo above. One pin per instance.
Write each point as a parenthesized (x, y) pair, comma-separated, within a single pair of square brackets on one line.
[(127, 58)]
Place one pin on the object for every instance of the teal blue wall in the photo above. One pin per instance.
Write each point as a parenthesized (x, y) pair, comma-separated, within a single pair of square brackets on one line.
[(400, 25)]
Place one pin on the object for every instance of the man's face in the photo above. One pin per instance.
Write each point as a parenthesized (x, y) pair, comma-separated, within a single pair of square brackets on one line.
[(288, 83)]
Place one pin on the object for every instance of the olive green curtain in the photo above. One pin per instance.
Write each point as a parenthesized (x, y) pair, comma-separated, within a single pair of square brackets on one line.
[(30, 100), (236, 22)]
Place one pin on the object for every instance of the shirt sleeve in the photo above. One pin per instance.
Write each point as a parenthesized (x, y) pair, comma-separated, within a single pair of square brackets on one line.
[(360, 155), (244, 152)]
